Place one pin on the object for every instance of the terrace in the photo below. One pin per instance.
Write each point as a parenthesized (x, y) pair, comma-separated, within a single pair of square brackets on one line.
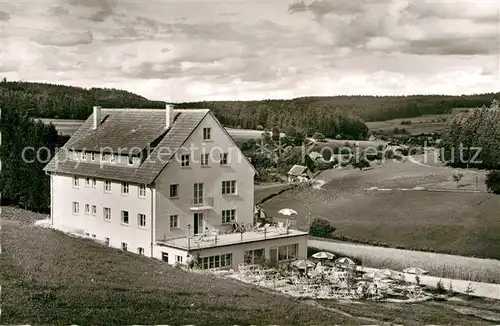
[(219, 240)]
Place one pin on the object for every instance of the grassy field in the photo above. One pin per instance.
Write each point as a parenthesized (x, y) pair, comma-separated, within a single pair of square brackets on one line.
[(425, 124), (452, 220), (51, 278)]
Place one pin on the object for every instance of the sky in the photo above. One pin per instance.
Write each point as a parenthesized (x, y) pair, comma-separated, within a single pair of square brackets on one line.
[(182, 51)]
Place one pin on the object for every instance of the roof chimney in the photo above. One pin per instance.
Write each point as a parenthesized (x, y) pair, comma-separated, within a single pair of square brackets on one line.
[(96, 117), (169, 115)]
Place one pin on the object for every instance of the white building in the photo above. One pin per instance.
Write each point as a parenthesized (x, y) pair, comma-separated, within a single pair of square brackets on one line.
[(168, 184)]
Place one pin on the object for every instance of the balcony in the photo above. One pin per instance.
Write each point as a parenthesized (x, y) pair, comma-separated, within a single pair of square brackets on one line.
[(201, 203)]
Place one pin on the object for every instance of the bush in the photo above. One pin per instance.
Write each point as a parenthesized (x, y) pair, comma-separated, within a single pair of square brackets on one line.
[(493, 181), (318, 136), (321, 228)]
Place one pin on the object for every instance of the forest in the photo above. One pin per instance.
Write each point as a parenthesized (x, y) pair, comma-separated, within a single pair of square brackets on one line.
[(472, 139), (27, 146), (331, 115)]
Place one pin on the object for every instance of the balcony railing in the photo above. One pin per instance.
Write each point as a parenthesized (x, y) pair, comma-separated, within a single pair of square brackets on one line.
[(199, 203)]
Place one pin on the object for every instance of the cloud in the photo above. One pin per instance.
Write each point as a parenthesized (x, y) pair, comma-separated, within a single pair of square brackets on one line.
[(419, 27), (98, 10), (249, 50), (63, 39), (4, 16)]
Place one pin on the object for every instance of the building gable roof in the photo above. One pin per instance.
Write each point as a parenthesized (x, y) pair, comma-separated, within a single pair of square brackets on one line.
[(128, 128)]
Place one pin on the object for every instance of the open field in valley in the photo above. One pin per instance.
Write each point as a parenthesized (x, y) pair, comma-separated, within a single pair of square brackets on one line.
[(51, 278), (424, 124), (382, 205)]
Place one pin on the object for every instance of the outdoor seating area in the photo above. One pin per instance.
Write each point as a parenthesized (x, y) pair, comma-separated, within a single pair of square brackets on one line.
[(339, 280)]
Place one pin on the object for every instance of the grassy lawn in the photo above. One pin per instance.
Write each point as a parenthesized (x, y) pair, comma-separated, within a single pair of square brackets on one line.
[(51, 278)]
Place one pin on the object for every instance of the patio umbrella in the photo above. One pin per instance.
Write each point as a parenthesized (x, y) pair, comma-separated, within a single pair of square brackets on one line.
[(415, 270), (323, 255), (303, 264), (287, 212), (345, 261), (390, 273), (377, 274)]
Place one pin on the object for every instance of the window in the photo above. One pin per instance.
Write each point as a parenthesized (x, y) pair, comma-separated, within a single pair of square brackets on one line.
[(87, 181), (92, 157), (93, 236), (217, 261), (124, 246), (204, 160), (228, 215), (87, 209), (178, 259), (107, 213), (94, 210), (140, 251), (125, 187), (254, 256), (74, 155), (107, 186), (76, 181), (198, 194), (94, 182), (142, 190), (229, 187), (106, 241), (76, 207), (286, 252), (113, 158), (174, 191), (207, 133), (87, 234), (125, 217), (130, 160), (185, 160), (83, 156), (223, 159), (141, 220), (164, 256), (174, 221)]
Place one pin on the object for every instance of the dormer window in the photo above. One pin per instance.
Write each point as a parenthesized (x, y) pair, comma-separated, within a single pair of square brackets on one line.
[(92, 157), (82, 155)]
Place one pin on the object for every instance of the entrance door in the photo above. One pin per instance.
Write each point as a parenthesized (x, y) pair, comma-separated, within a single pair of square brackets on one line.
[(198, 223), (198, 194)]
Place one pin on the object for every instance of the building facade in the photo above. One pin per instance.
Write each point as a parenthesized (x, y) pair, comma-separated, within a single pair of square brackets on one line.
[(140, 180)]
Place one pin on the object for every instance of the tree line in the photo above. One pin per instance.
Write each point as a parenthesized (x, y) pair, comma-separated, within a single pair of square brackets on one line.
[(472, 139), (23, 181)]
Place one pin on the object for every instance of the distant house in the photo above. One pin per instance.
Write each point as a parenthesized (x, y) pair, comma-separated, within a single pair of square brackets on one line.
[(299, 173)]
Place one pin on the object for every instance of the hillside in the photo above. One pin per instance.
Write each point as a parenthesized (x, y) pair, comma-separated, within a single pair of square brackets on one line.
[(369, 108), (49, 278), (66, 102)]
